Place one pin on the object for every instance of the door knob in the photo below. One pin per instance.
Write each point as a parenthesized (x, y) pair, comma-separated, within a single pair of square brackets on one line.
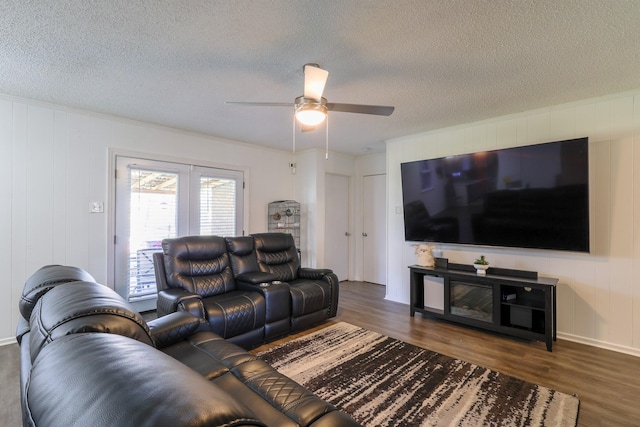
[(364, 234), (346, 233)]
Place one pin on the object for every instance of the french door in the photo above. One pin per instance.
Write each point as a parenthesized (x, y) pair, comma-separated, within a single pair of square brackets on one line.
[(157, 200)]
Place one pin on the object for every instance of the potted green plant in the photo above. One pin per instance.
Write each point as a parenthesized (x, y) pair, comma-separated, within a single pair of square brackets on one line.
[(481, 264)]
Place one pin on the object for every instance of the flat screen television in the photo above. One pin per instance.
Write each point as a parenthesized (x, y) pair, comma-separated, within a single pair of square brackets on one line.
[(535, 196)]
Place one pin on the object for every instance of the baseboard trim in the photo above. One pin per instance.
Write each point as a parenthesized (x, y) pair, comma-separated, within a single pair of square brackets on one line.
[(600, 344), (575, 338), (7, 341)]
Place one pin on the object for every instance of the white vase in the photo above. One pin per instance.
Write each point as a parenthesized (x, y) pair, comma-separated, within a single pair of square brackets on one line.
[(481, 269)]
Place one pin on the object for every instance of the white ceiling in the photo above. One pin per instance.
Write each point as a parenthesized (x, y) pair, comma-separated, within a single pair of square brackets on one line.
[(440, 63)]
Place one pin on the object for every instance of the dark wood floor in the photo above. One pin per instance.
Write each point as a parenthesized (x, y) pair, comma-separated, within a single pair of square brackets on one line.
[(607, 383)]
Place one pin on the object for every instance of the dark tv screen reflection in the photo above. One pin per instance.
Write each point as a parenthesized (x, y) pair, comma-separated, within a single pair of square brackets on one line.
[(535, 196)]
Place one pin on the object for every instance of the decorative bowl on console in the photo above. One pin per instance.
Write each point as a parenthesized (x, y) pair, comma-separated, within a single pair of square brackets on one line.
[(481, 265), (481, 269)]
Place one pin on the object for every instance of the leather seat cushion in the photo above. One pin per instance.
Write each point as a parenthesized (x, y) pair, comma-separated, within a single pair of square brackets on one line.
[(273, 397), (295, 401), (208, 354)]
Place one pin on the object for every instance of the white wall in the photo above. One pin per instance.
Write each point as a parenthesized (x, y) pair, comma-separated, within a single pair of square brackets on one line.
[(54, 161), (598, 293)]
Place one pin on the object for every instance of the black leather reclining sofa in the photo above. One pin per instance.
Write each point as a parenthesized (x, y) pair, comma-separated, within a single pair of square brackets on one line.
[(251, 289), (89, 359)]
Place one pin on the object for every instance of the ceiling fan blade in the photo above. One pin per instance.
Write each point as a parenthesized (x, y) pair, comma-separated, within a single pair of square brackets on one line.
[(314, 80), (378, 110), (262, 104)]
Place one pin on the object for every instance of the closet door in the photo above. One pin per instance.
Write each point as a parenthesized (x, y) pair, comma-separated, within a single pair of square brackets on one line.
[(374, 235)]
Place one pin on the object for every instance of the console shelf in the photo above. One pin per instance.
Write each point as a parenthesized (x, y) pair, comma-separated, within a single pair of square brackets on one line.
[(512, 302)]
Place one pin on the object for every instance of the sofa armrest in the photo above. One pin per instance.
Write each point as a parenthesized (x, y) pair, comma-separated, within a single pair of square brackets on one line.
[(175, 327), (158, 269), (276, 295), (153, 388), (22, 329), (313, 273), (333, 280), (172, 300), (328, 276), (193, 306), (256, 277)]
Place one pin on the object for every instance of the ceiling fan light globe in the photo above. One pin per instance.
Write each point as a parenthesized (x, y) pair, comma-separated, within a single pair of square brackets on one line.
[(310, 112), (311, 116)]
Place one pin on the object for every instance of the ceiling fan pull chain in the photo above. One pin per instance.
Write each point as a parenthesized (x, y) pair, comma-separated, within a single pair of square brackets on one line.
[(294, 134), (326, 152)]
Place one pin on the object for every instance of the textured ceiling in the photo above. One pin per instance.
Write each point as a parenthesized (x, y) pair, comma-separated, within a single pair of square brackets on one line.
[(440, 63)]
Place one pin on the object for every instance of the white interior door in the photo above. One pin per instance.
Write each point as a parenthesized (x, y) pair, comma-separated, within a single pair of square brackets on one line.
[(336, 247), (374, 234)]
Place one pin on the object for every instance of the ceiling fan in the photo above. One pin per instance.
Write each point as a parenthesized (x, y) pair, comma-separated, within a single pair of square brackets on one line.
[(311, 108)]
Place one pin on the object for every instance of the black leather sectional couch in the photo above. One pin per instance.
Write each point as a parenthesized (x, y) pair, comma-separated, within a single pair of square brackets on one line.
[(89, 359), (251, 289)]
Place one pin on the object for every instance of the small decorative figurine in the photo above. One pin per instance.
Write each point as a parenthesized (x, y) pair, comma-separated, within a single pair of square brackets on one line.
[(424, 256)]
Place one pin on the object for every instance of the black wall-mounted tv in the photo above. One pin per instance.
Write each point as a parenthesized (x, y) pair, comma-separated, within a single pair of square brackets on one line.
[(535, 196)]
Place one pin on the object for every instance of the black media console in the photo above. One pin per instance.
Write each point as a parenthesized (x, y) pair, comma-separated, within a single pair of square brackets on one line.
[(512, 302)]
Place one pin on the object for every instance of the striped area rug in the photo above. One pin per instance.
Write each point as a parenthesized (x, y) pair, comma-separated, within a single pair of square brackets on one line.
[(381, 381)]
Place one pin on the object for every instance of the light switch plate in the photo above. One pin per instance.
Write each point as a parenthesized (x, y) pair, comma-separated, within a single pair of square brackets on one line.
[(97, 207)]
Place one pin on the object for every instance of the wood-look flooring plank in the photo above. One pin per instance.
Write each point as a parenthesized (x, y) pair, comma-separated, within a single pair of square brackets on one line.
[(606, 382)]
